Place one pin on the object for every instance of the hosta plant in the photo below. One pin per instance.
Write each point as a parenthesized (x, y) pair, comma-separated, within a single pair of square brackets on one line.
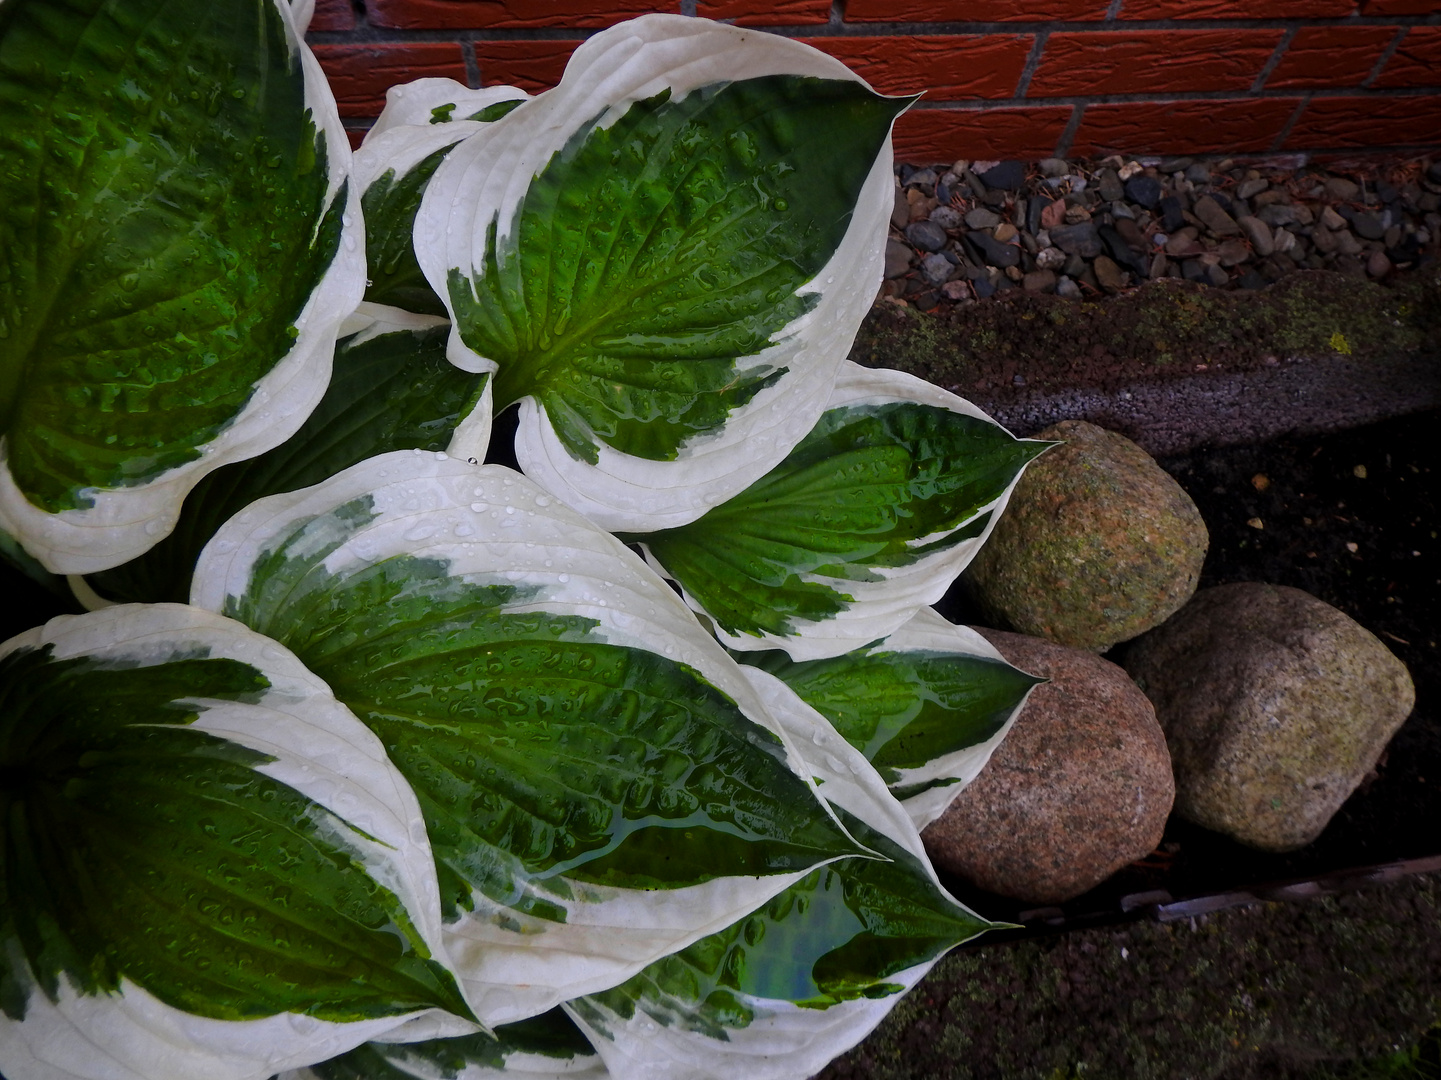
[(510, 649)]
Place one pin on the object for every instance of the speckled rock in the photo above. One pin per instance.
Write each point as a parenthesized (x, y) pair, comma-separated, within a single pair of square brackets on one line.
[(1275, 706), (1097, 545), (1080, 786)]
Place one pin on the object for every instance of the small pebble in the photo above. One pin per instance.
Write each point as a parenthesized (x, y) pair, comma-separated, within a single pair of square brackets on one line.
[(1339, 188), (1079, 239), (936, 268), (898, 258), (1105, 225), (1233, 252), (1007, 175), (947, 217), (1368, 226), (1051, 258), (1215, 218), (926, 235), (1346, 242), (1108, 274), (1039, 281), (1259, 234), (981, 218), (991, 251), (922, 178), (1172, 213), (1249, 189)]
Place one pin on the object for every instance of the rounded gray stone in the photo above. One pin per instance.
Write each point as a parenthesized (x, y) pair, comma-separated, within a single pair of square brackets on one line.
[(982, 218), (1275, 705), (898, 258), (1080, 786), (926, 235), (936, 269), (1097, 545)]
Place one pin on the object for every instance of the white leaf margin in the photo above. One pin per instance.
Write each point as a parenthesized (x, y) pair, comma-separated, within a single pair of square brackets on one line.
[(784, 1041), (412, 104), (490, 523), (486, 178), (930, 632), (529, 1066), (126, 522), (878, 608), (320, 750), (470, 438)]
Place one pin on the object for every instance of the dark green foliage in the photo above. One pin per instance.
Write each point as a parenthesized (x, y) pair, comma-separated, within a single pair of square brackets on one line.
[(163, 221), (134, 846), (649, 257), (851, 499), (394, 392)]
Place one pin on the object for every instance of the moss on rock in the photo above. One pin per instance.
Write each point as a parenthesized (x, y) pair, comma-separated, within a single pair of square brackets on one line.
[(1097, 545)]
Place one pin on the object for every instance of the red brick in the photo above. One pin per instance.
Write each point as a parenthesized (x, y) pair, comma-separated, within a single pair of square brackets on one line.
[(1151, 61), (1400, 7), (356, 137), (360, 74), (531, 65), (508, 14), (1346, 122), (1183, 127), (1322, 56), (1037, 11), (1417, 62), (1237, 9), (934, 135), (333, 15), (774, 13), (946, 66)]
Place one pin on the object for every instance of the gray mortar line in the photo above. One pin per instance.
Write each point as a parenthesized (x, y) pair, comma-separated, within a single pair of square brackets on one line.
[(1285, 132), (1032, 62), (1385, 57), (1276, 54), (472, 64), (1114, 11), (687, 7), (1068, 135)]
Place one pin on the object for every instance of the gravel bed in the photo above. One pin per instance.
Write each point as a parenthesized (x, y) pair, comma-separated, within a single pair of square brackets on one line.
[(1082, 229)]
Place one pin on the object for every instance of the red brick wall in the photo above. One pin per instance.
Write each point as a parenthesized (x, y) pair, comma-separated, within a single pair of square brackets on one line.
[(1002, 78)]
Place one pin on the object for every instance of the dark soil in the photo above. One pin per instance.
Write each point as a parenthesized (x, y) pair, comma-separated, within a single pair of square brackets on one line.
[(1274, 991), (1270, 990)]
